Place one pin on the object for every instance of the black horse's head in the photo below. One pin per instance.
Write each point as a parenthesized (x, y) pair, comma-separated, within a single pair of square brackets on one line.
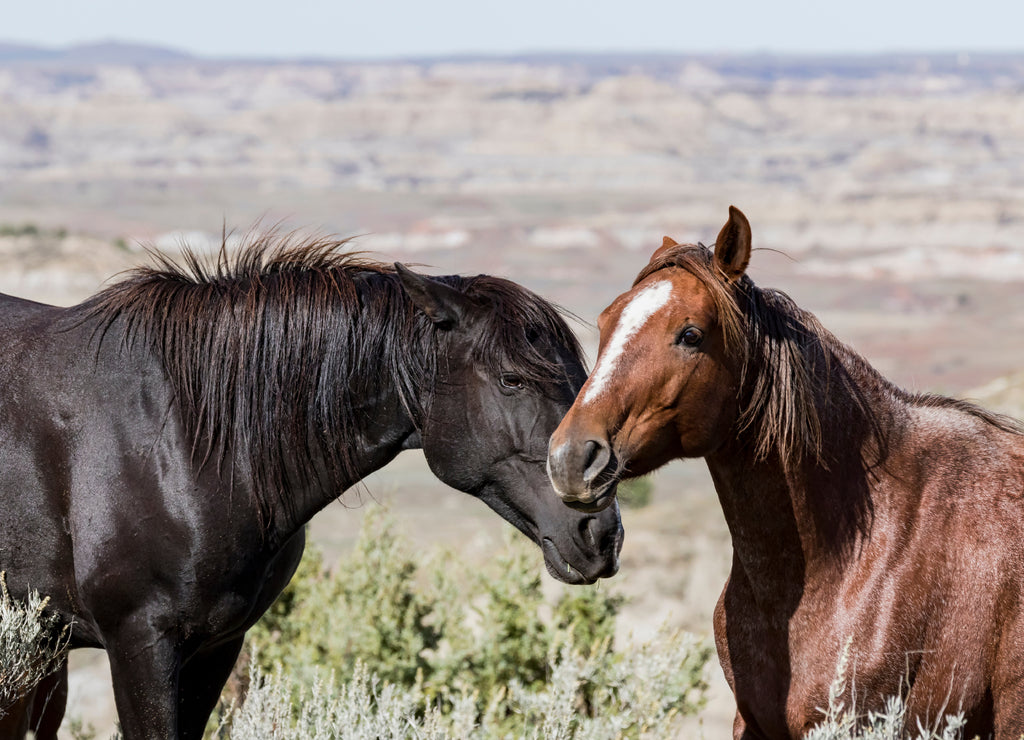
[(507, 369)]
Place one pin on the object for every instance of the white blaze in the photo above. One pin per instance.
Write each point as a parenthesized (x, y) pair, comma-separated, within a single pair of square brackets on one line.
[(633, 317)]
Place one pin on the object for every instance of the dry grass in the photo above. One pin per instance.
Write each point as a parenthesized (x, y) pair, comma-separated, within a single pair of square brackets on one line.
[(32, 644)]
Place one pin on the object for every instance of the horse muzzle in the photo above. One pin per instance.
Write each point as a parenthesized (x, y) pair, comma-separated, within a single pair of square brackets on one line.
[(590, 552), (583, 472)]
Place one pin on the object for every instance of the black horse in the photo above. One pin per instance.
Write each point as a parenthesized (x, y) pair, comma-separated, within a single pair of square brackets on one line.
[(163, 444)]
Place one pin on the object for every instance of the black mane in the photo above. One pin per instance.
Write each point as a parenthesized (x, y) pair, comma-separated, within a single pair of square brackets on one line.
[(270, 349)]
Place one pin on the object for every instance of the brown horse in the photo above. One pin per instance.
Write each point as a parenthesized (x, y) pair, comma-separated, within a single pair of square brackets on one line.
[(858, 511)]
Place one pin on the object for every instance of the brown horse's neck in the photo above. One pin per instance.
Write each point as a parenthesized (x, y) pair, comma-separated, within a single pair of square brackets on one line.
[(767, 541), (789, 518)]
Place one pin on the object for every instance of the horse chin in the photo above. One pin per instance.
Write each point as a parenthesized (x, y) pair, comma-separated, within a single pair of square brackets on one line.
[(599, 503), (560, 568)]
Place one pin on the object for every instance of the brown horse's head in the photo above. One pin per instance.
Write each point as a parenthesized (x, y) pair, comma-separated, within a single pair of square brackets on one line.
[(668, 371)]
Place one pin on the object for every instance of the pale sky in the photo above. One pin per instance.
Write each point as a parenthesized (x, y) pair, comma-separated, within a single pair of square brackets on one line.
[(389, 28)]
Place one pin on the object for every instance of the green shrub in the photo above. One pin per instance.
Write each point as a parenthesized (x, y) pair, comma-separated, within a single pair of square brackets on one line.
[(386, 644), (369, 609)]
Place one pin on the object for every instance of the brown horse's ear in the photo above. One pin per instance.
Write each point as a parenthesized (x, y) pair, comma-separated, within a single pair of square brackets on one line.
[(666, 244), (442, 304), (732, 247)]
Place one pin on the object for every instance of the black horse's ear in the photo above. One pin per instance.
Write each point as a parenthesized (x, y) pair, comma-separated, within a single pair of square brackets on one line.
[(732, 247), (443, 304)]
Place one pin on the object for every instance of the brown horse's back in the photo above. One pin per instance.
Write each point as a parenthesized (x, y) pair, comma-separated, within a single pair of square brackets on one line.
[(967, 549), (928, 598)]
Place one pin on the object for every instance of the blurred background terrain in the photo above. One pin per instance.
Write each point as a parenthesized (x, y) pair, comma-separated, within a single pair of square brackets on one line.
[(885, 191)]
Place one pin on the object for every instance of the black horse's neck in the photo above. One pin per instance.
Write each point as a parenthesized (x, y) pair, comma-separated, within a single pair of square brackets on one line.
[(296, 372), (387, 429), (380, 389)]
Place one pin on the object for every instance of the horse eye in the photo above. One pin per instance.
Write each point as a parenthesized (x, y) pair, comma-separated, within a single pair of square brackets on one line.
[(691, 336), (511, 380)]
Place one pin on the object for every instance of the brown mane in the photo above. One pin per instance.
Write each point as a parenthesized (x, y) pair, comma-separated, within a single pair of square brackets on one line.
[(794, 368)]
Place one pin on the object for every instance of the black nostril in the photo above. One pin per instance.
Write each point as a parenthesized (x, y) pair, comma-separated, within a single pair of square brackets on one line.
[(587, 527), (596, 456)]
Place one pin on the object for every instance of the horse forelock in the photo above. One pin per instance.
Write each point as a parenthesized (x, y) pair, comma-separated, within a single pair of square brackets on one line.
[(520, 330), (698, 261)]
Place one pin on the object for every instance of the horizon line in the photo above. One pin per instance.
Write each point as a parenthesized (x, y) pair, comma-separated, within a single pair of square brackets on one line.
[(184, 54)]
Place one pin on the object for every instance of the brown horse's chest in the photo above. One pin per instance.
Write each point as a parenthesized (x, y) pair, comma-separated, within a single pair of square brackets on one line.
[(782, 669)]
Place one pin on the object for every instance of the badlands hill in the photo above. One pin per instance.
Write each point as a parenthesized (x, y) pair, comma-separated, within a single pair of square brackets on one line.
[(894, 185), (839, 153)]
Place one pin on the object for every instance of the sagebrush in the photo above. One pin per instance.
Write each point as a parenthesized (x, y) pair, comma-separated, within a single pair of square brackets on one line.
[(33, 644), (842, 722), (429, 648)]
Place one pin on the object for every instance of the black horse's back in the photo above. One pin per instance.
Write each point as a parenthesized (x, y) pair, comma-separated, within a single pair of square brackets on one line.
[(62, 406), (22, 320), (35, 478)]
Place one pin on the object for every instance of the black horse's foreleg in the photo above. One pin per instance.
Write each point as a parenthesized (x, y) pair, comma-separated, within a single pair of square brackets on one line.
[(51, 698), (202, 680), (14, 720), (41, 711), (145, 672)]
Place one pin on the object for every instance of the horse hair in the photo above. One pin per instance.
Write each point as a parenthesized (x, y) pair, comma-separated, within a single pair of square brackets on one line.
[(795, 372), (269, 348)]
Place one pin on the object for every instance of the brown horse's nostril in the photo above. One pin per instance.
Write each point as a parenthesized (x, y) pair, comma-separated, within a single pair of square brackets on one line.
[(595, 458)]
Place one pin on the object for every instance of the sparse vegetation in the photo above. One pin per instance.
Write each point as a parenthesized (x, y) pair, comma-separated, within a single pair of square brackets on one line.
[(639, 695), (846, 723), (384, 648), (32, 644), (26, 229), (32, 230), (398, 649)]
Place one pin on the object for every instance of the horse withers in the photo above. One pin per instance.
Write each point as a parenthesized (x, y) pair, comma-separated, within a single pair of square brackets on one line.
[(860, 514), (163, 444)]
